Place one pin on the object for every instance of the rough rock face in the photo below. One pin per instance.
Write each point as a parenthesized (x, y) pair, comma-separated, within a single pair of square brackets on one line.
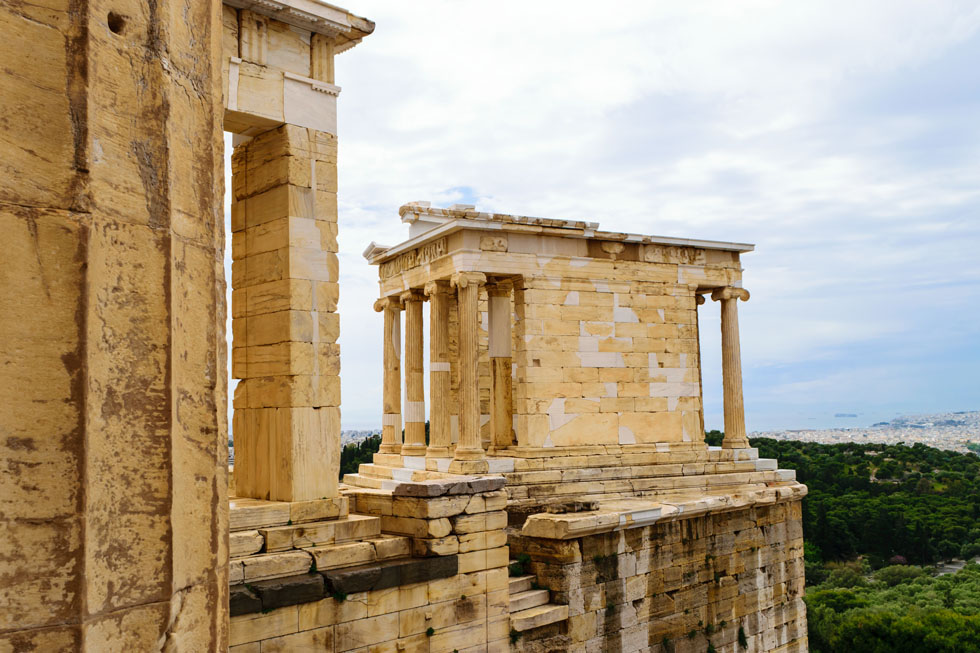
[(113, 488)]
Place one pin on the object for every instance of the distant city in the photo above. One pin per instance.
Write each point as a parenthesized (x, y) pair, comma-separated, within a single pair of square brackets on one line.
[(354, 436), (959, 431)]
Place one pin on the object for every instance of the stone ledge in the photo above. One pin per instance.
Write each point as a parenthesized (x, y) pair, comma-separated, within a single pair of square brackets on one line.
[(291, 590), (265, 595), (389, 574), (538, 616), (437, 488), (414, 483), (624, 514), (242, 600)]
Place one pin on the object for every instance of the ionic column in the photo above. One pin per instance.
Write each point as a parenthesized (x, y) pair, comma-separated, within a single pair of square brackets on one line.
[(391, 421), (414, 371), (731, 366), (469, 457), (501, 404), (440, 436)]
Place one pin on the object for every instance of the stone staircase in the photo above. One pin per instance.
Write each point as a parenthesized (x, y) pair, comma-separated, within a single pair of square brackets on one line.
[(532, 608)]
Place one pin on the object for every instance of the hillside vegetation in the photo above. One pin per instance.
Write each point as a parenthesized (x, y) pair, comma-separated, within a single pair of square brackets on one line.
[(886, 502), (898, 608)]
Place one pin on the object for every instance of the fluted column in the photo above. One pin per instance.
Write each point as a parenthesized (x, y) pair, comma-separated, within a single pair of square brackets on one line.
[(414, 371), (440, 436), (469, 457), (731, 366), (501, 404), (391, 421)]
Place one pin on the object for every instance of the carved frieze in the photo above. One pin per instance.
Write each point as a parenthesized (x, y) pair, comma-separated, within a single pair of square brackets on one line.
[(673, 254), (419, 256)]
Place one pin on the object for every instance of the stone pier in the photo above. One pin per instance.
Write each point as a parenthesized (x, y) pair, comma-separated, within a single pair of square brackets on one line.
[(114, 482)]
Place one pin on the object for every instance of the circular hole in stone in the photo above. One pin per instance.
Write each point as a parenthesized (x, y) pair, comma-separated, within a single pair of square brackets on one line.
[(116, 22)]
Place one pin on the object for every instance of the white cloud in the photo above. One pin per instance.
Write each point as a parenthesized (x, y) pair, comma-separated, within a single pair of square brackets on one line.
[(839, 137)]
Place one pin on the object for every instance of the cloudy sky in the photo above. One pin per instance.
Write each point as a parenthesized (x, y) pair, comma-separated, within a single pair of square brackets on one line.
[(842, 138)]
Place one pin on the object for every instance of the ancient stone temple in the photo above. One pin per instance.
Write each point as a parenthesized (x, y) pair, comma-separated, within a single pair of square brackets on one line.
[(566, 360), (554, 494)]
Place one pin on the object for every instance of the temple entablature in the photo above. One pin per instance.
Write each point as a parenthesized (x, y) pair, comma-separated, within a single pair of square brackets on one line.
[(278, 62)]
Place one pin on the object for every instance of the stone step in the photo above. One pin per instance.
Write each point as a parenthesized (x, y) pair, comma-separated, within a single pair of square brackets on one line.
[(621, 472), (249, 514), (521, 584), (627, 487), (529, 599), (368, 482), (298, 536), (538, 616), (348, 554), (400, 474)]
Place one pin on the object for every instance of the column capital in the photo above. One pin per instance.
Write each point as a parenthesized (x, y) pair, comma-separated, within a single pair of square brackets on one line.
[(412, 295), (500, 287), (464, 279), (436, 287), (387, 302), (699, 299), (730, 292)]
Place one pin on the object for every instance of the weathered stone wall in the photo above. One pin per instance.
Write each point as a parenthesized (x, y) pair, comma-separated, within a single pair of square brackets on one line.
[(436, 582), (113, 488), (607, 360), (675, 587)]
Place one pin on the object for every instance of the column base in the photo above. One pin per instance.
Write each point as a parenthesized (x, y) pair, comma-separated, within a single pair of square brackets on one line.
[(387, 459), (413, 449), (438, 452), (458, 466), (735, 444), (394, 449)]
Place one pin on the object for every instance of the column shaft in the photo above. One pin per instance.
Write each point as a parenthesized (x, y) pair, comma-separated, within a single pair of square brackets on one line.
[(440, 436), (731, 367), (469, 456), (414, 379), (391, 429)]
